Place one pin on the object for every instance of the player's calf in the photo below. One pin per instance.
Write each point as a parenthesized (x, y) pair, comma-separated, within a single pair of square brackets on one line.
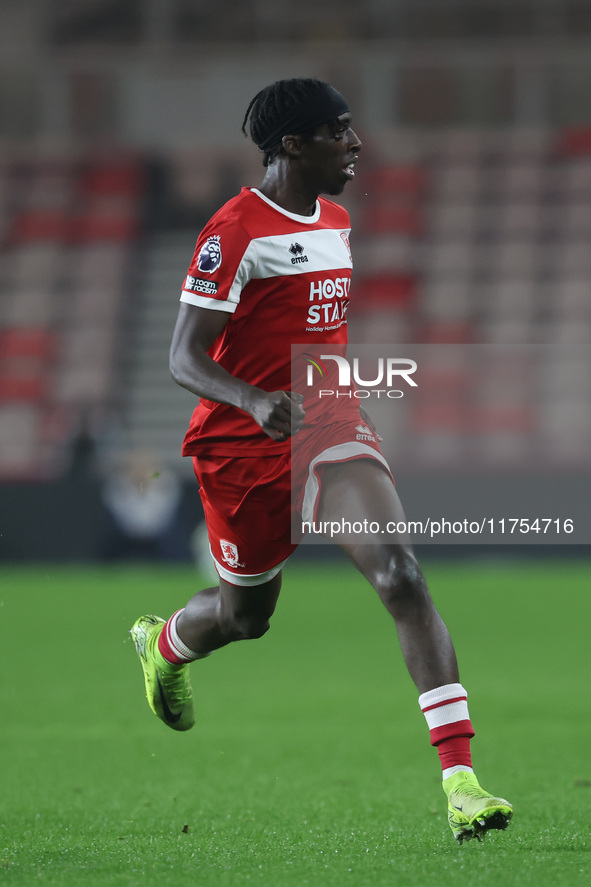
[(245, 626)]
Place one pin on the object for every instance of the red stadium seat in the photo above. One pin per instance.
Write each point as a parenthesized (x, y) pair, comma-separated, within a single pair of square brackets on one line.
[(390, 180), (39, 224), (490, 419), (116, 178), (407, 219), (437, 416), (27, 342), (92, 227), (575, 141), (395, 290), (442, 333), (22, 388)]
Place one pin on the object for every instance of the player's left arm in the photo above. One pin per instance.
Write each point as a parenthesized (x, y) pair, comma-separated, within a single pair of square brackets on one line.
[(279, 413)]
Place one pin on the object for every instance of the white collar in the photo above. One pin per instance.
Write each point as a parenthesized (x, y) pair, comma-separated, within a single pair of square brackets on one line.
[(305, 220)]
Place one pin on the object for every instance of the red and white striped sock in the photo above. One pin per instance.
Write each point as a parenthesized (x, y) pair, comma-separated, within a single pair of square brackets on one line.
[(446, 712), (172, 648)]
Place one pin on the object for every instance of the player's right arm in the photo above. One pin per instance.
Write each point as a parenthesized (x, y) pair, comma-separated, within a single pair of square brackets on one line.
[(279, 413)]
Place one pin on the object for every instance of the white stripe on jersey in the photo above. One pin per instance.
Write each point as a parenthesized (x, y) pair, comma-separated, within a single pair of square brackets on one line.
[(282, 255), (205, 302), (313, 251)]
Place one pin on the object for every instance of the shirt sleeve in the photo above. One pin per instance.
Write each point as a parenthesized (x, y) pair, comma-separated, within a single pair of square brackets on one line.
[(222, 265)]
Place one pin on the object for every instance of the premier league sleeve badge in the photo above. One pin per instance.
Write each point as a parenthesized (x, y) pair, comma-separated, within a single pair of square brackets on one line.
[(210, 256)]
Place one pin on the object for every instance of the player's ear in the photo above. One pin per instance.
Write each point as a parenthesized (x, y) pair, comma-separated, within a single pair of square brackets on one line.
[(292, 145)]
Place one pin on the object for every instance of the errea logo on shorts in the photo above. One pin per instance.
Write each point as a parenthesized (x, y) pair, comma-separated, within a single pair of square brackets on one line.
[(364, 433)]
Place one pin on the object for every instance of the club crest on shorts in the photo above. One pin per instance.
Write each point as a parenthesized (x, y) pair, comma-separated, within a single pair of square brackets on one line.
[(210, 255), (230, 553)]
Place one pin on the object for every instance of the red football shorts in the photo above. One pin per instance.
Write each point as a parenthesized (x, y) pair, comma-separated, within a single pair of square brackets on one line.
[(254, 506)]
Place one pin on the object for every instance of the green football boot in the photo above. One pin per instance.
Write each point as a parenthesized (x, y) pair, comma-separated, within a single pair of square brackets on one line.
[(168, 689), (471, 811)]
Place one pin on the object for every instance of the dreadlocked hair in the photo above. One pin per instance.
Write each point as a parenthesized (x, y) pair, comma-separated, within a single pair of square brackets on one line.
[(272, 102)]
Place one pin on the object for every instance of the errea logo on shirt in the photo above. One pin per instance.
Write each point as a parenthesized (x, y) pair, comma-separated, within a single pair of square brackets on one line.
[(297, 251)]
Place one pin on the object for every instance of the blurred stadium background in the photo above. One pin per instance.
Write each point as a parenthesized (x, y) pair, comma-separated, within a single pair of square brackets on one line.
[(120, 135)]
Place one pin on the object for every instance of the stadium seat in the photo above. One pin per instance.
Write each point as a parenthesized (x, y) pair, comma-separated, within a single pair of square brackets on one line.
[(95, 306), (576, 219), (19, 388), (31, 342), (26, 306), (576, 179), (396, 145), (575, 141), (462, 145), (498, 448), (515, 258), (40, 225), (447, 258), (115, 177), (380, 326), (36, 264), (385, 252), (511, 298), (453, 219), (388, 181), (19, 440), (570, 331), (81, 385), (401, 218), (446, 299), (574, 259), (380, 290), (520, 143), (447, 332), (92, 226), (519, 219), (457, 182), (524, 178), (571, 298), (102, 263), (508, 332)]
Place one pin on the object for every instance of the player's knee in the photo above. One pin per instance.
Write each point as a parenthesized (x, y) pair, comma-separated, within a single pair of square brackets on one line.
[(400, 584)]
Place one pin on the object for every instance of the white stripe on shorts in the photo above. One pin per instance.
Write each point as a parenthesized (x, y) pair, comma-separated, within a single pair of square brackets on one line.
[(248, 578), (339, 453)]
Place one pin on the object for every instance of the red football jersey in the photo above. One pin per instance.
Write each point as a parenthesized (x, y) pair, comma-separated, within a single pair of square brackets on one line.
[(283, 279)]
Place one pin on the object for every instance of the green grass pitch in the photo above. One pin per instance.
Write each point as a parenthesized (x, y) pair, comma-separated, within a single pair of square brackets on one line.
[(310, 762)]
